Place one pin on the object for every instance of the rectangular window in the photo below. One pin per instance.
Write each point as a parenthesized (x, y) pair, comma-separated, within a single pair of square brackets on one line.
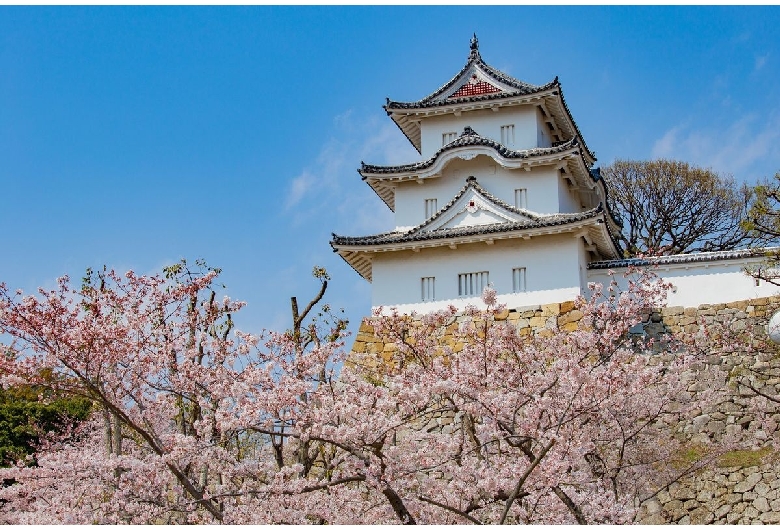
[(430, 208), (521, 198), (518, 280), (472, 283), (448, 137), (508, 135), (428, 285)]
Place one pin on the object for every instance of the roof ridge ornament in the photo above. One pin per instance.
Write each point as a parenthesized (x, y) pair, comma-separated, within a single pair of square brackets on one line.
[(468, 131), (474, 48)]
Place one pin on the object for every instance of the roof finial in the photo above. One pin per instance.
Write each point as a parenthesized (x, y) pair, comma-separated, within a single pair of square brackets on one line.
[(474, 47)]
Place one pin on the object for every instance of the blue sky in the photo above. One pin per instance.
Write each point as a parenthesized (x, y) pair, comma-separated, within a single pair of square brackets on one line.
[(136, 136)]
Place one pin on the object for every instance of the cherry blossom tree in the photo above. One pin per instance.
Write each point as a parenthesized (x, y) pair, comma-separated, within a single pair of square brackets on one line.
[(199, 422)]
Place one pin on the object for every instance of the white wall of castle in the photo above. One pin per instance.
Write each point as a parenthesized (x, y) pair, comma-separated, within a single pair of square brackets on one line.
[(552, 273), (546, 192), (529, 131), (712, 282)]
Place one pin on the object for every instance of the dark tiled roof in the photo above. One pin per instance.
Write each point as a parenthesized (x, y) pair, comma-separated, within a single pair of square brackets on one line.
[(469, 138), (695, 257), (429, 102), (419, 233), (520, 87)]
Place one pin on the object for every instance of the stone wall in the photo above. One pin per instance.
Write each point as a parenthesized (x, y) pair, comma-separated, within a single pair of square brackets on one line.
[(738, 487)]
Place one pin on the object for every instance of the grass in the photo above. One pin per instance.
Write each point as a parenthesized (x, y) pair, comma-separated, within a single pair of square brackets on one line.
[(744, 458)]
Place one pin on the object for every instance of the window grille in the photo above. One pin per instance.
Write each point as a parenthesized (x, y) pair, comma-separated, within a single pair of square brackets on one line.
[(508, 135), (521, 198), (428, 288), (430, 208), (518, 280), (448, 137), (472, 283)]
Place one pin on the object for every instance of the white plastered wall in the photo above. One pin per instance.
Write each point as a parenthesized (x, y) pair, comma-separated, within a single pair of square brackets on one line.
[(486, 123), (713, 282), (541, 184), (551, 263)]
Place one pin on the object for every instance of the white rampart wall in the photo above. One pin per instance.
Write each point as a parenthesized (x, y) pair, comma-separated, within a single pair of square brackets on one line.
[(552, 273), (486, 123), (546, 190), (712, 282)]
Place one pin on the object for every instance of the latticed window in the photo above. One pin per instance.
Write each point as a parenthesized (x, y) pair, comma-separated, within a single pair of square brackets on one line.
[(430, 208), (518, 280), (472, 283), (508, 135), (521, 198), (448, 137), (428, 287)]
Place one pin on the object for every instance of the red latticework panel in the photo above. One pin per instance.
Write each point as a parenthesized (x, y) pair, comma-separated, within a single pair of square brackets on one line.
[(475, 89)]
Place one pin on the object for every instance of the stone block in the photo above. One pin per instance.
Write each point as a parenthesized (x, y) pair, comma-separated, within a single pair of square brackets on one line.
[(750, 513), (537, 322), (761, 504), (572, 316), (684, 493), (672, 311), (571, 326), (701, 516), (762, 488), (722, 511), (691, 504), (359, 347), (653, 506), (770, 518), (567, 306), (705, 494), (654, 519), (690, 312), (551, 310), (675, 509), (502, 315), (733, 498), (748, 483)]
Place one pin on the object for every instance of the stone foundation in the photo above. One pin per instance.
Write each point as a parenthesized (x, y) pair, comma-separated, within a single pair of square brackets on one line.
[(740, 487)]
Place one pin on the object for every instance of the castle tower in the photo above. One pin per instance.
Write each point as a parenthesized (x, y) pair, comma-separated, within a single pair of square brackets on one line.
[(505, 194)]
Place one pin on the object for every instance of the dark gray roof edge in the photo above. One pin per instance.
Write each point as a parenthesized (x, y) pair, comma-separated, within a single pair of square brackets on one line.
[(464, 140), (415, 235), (474, 59), (694, 257), (530, 90)]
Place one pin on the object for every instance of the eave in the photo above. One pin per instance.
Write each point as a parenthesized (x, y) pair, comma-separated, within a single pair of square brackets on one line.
[(568, 157), (407, 116)]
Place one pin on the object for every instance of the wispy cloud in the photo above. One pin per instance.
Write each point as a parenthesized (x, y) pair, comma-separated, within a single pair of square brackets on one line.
[(299, 187), (760, 62), (330, 187), (748, 148)]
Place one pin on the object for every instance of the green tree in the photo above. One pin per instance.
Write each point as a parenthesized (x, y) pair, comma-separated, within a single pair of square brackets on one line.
[(27, 412), (763, 221), (674, 207)]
